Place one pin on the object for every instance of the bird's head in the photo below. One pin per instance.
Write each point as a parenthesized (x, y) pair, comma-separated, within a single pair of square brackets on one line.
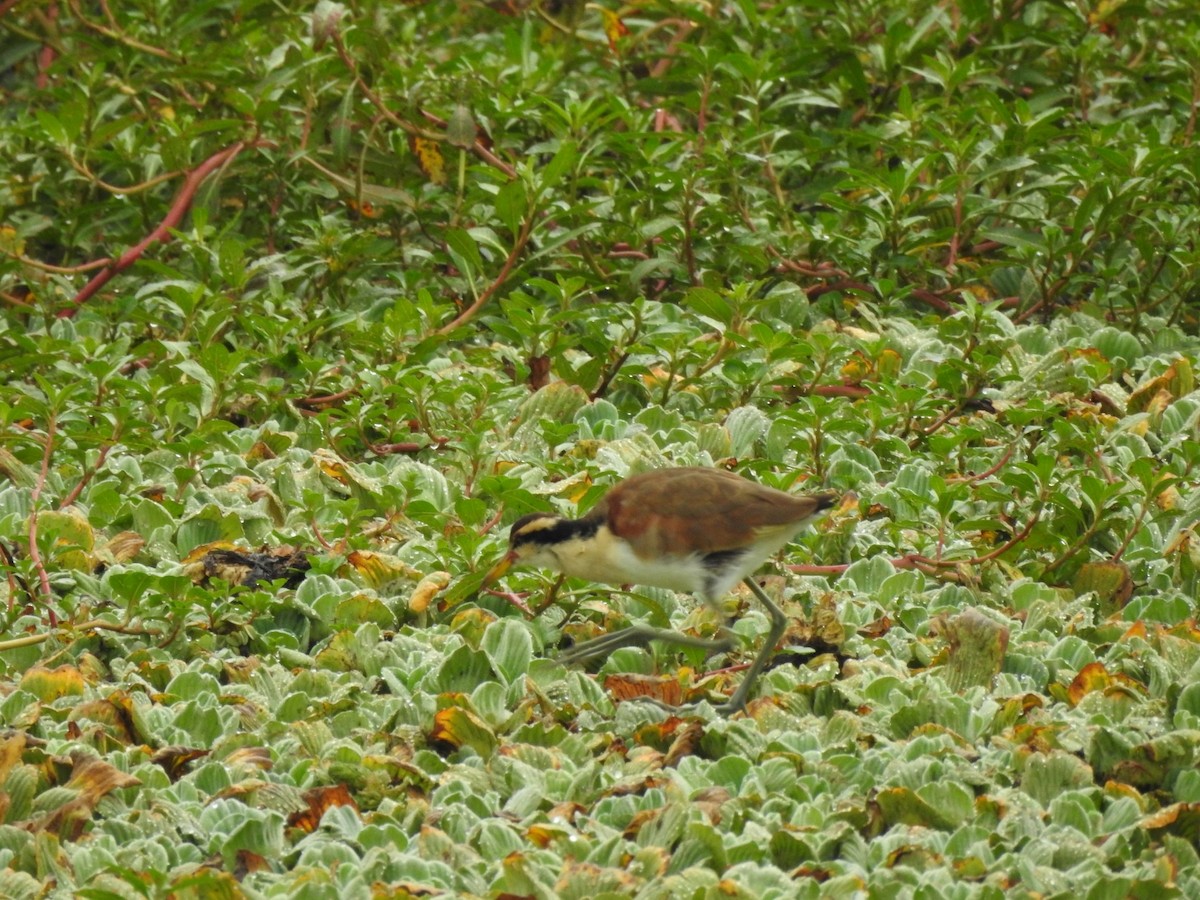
[(531, 542)]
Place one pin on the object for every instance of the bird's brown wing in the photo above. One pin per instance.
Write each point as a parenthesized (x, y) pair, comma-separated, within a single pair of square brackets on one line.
[(696, 510)]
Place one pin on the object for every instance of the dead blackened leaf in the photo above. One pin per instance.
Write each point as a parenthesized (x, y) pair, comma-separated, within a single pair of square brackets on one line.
[(247, 568)]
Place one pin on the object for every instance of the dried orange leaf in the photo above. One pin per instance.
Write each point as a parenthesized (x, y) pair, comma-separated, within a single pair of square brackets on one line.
[(91, 778), (124, 546), (1092, 677), (320, 799), (630, 686), (11, 749), (457, 727), (1150, 396), (614, 28)]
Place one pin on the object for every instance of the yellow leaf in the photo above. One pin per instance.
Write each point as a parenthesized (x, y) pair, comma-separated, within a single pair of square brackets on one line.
[(1092, 677), (429, 158), (50, 684), (10, 242), (889, 363), (427, 588), (460, 727), (856, 368), (614, 28), (74, 539), (378, 569)]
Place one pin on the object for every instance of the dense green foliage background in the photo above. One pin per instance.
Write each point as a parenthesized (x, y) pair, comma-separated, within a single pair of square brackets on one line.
[(359, 284)]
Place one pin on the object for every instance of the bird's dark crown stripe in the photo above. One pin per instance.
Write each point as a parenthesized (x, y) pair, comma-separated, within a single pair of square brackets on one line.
[(560, 531)]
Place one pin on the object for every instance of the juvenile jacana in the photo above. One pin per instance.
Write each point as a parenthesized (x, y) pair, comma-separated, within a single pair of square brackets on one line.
[(686, 529)]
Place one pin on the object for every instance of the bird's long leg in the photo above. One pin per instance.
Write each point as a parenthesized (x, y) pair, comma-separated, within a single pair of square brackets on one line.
[(778, 626), (640, 636)]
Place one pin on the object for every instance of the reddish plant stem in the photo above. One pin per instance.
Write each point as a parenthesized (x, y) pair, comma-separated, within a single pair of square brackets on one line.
[(937, 302), (515, 599), (925, 563), (405, 447), (57, 270), (518, 247), (47, 54), (683, 31), (87, 476), (853, 391), (321, 401), (320, 538), (35, 555), (180, 206), (493, 521), (1137, 526), (408, 127), (998, 466)]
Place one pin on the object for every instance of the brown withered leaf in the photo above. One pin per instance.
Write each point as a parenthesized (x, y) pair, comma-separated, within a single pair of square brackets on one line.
[(239, 566), (455, 727), (319, 800), (122, 547), (640, 820), (91, 778), (877, 628), (566, 811), (1181, 819), (249, 758), (539, 372), (685, 743), (710, 800), (1092, 677), (1175, 382), (174, 760), (12, 745), (635, 786), (630, 686), (378, 569), (248, 861)]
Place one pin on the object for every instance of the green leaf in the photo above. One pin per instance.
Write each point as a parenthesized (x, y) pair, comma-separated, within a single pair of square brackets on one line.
[(508, 644), (465, 251)]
